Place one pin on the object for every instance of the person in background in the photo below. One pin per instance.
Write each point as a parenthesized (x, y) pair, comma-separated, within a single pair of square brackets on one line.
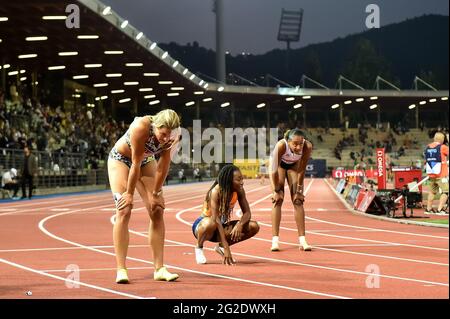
[(436, 165), (28, 172), (9, 181)]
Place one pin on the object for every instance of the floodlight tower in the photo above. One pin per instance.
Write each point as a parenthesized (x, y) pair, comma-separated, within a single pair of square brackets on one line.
[(290, 29), (220, 51)]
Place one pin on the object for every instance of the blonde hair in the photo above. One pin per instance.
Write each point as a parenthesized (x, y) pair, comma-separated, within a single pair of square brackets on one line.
[(166, 118), (439, 137)]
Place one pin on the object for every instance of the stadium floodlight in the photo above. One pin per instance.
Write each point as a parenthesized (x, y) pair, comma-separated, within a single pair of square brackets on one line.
[(23, 79), (432, 100), (130, 83), (149, 96), (335, 106), (359, 100), (165, 55), (88, 37), (444, 98), (6, 66), (40, 38), (220, 89), (3, 19), (297, 106), (412, 106), (100, 85), (145, 89), (93, 65), (307, 97), (27, 56), (111, 52), (208, 99), (290, 99), (185, 71), (151, 74), (1, 42), (173, 94), (106, 11), (97, 98), (56, 67), (113, 75), (125, 100), (225, 104), (373, 106), (260, 105), (71, 53), (22, 71), (153, 45), (199, 92), (104, 97), (206, 86), (124, 24), (13, 73), (133, 64), (54, 17), (423, 102), (117, 91), (190, 103), (154, 102), (139, 36), (177, 88), (348, 102), (165, 82), (80, 77), (373, 98), (192, 77), (174, 65)]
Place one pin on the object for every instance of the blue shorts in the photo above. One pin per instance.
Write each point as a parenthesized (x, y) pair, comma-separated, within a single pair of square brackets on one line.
[(195, 225)]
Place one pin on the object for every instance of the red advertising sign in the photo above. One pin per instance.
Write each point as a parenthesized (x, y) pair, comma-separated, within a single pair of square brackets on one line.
[(343, 173), (361, 195), (381, 168), (364, 204)]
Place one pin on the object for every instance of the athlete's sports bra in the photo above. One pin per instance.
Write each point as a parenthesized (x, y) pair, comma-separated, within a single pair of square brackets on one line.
[(206, 211), (152, 145), (290, 157)]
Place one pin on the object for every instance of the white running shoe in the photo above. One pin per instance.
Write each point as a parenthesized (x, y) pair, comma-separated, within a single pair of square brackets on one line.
[(200, 256), (275, 245)]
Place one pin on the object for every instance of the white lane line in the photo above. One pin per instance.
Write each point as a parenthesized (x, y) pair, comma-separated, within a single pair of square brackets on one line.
[(97, 269), (178, 216), (69, 202), (48, 233), (361, 239), (39, 272), (359, 253), (58, 248)]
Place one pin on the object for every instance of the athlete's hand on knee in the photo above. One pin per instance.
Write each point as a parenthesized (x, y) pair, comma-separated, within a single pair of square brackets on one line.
[(227, 258), (277, 197), (158, 200), (299, 199), (124, 201)]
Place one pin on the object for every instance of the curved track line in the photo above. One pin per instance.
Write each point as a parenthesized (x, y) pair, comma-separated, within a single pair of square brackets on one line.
[(307, 265), (71, 281)]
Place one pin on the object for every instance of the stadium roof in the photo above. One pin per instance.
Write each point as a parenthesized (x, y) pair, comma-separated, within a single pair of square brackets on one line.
[(109, 54)]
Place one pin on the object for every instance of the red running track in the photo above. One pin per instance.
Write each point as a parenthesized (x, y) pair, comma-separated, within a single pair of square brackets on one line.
[(43, 241)]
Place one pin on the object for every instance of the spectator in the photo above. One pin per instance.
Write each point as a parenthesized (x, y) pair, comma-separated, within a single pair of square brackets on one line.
[(436, 157), (181, 176), (9, 181), (28, 172)]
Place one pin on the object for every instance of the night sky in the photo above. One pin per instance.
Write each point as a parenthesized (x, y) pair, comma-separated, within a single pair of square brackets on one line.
[(252, 25)]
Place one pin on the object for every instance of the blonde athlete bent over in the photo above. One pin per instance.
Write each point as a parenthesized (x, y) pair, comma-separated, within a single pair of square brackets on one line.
[(132, 165)]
